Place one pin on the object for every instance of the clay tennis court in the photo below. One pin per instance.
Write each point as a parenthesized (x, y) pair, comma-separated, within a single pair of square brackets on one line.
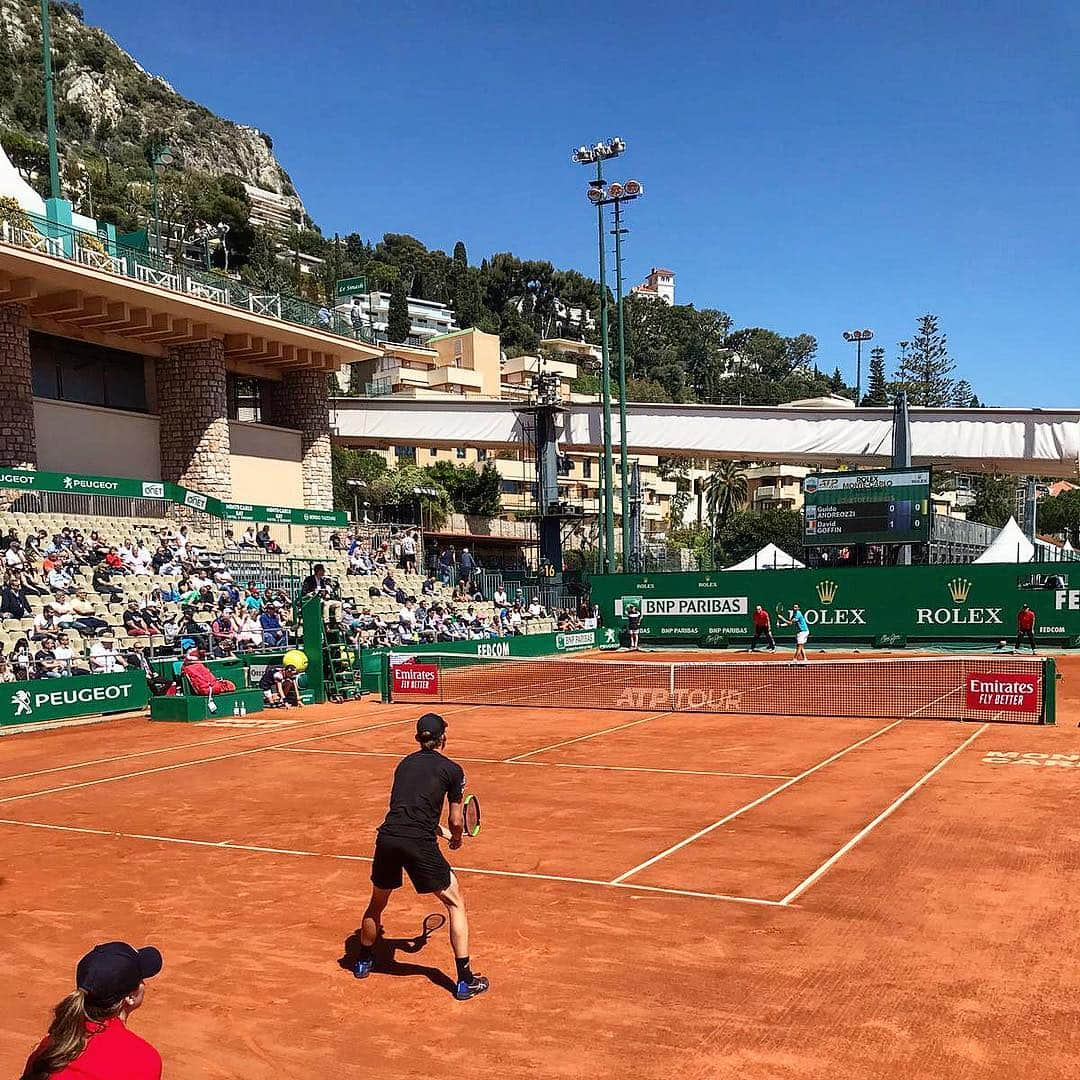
[(652, 894)]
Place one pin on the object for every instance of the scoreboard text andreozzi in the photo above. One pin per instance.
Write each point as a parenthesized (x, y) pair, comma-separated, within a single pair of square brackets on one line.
[(891, 506)]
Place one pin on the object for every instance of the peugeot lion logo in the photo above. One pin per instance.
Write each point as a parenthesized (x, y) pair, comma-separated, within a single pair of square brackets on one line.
[(826, 591), (959, 589), (21, 700)]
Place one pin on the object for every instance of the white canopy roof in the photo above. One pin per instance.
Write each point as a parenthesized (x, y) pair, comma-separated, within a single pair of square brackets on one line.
[(13, 185), (770, 557), (1009, 546)]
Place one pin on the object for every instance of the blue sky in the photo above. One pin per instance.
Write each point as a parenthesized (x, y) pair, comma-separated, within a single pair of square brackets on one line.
[(809, 167)]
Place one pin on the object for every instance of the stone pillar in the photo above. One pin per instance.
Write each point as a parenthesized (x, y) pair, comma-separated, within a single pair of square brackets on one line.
[(300, 401), (193, 408), (18, 435)]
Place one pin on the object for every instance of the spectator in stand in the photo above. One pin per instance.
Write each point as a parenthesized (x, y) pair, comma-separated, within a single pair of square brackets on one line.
[(182, 543), (102, 583), (66, 656), (499, 596), (389, 585), (273, 633), (104, 658), (249, 633), (229, 595), (447, 561), (428, 586), (14, 602), (46, 625), (360, 561), (9, 538), (468, 566), (229, 542), (253, 599), (459, 595), (249, 540), (13, 556), (335, 542), (408, 552), (6, 674), (535, 610), (20, 659), (267, 542), (58, 577), (135, 624), (46, 666), (142, 557), (407, 618), (114, 562), (192, 632), (515, 619), (223, 635)]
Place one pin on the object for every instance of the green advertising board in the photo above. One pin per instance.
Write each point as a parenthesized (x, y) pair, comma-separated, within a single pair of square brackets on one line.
[(63, 699), (79, 484), (351, 286), (886, 604)]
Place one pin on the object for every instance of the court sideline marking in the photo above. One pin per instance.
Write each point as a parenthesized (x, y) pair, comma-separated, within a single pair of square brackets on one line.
[(833, 859), (750, 805), (546, 764), (227, 845), (591, 735)]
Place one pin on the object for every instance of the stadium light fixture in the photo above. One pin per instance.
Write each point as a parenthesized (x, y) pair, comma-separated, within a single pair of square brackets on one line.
[(858, 337)]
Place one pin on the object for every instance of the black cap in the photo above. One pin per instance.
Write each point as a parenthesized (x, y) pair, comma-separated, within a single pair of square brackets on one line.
[(109, 972), (430, 726)]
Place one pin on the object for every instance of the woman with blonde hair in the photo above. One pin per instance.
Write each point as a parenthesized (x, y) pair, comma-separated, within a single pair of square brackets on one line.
[(88, 1037)]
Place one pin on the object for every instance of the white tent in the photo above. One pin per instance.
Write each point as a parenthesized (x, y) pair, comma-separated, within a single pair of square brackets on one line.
[(770, 557), (13, 185), (1009, 546)]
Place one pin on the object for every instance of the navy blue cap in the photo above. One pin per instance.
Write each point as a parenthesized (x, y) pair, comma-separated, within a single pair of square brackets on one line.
[(109, 972), (430, 725)]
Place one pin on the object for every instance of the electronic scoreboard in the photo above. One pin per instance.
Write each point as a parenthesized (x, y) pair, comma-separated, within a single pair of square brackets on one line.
[(891, 506)]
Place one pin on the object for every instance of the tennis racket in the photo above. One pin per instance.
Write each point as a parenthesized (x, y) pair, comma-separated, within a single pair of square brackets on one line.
[(470, 811), (432, 922), (782, 613)]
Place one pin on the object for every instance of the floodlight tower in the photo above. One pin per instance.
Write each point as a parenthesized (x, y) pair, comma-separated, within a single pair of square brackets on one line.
[(597, 155)]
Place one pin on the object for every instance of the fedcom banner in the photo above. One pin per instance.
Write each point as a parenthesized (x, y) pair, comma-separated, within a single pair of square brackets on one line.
[(869, 603), (64, 699)]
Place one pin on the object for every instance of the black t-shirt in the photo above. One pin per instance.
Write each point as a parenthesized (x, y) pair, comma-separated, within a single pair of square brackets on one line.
[(421, 782)]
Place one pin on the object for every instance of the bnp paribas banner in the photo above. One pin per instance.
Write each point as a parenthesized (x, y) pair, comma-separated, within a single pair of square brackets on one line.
[(883, 604), (80, 484)]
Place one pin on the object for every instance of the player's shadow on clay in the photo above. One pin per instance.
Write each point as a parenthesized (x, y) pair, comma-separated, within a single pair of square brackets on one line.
[(387, 962)]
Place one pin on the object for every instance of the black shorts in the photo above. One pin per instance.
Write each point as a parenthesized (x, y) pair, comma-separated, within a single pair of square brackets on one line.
[(422, 860)]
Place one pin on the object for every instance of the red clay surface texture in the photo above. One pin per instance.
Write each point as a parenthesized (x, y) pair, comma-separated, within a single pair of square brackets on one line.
[(652, 895)]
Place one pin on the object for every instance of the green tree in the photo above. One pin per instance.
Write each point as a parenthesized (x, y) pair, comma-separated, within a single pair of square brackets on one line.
[(963, 397), (469, 491), (877, 392), (925, 371), (748, 531), (995, 500), (1060, 515), (347, 464), (461, 256), (398, 323), (726, 490)]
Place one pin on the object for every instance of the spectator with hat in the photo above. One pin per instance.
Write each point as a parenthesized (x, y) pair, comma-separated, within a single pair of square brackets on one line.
[(88, 1038)]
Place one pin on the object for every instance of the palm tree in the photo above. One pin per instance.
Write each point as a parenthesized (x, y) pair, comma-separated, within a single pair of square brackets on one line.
[(726, 490)]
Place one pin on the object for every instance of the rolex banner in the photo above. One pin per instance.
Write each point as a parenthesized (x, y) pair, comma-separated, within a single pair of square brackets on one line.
[(916, 603)]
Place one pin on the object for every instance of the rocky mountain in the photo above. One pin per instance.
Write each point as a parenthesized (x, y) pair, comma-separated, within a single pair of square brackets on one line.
[(110, 107)]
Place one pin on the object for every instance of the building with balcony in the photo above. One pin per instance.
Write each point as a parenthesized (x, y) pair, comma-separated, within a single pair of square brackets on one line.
[(519, 374), (427, 318)]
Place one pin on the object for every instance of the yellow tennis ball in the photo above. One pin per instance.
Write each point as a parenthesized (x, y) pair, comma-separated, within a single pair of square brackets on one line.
[(295, 658)]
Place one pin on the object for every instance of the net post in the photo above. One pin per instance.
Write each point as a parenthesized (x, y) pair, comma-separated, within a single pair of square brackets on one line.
[(1049, 709), (384, 678)]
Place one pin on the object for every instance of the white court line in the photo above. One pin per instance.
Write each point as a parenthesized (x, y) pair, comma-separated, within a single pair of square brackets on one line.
[(930, 704), (188, 764), (833, 859), (750, 805), (591, 735), (229, 846), (549, 764), (164, 749)]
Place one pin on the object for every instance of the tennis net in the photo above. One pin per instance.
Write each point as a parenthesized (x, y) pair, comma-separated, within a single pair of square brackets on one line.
[(944, 688)]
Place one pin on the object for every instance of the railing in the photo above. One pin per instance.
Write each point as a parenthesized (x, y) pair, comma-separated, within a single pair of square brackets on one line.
[(65, 242)]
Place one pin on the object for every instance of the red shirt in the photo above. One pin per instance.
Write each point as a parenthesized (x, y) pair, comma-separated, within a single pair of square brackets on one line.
[(761, 618), (112, 1053), (1025, 620)]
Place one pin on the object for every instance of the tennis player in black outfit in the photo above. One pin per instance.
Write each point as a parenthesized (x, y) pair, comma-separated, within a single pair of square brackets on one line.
[(408, 840)]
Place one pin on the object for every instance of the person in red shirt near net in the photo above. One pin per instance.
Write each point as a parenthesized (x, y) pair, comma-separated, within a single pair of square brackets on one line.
[(762, 628), (88, 1038), (1025, 628)]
